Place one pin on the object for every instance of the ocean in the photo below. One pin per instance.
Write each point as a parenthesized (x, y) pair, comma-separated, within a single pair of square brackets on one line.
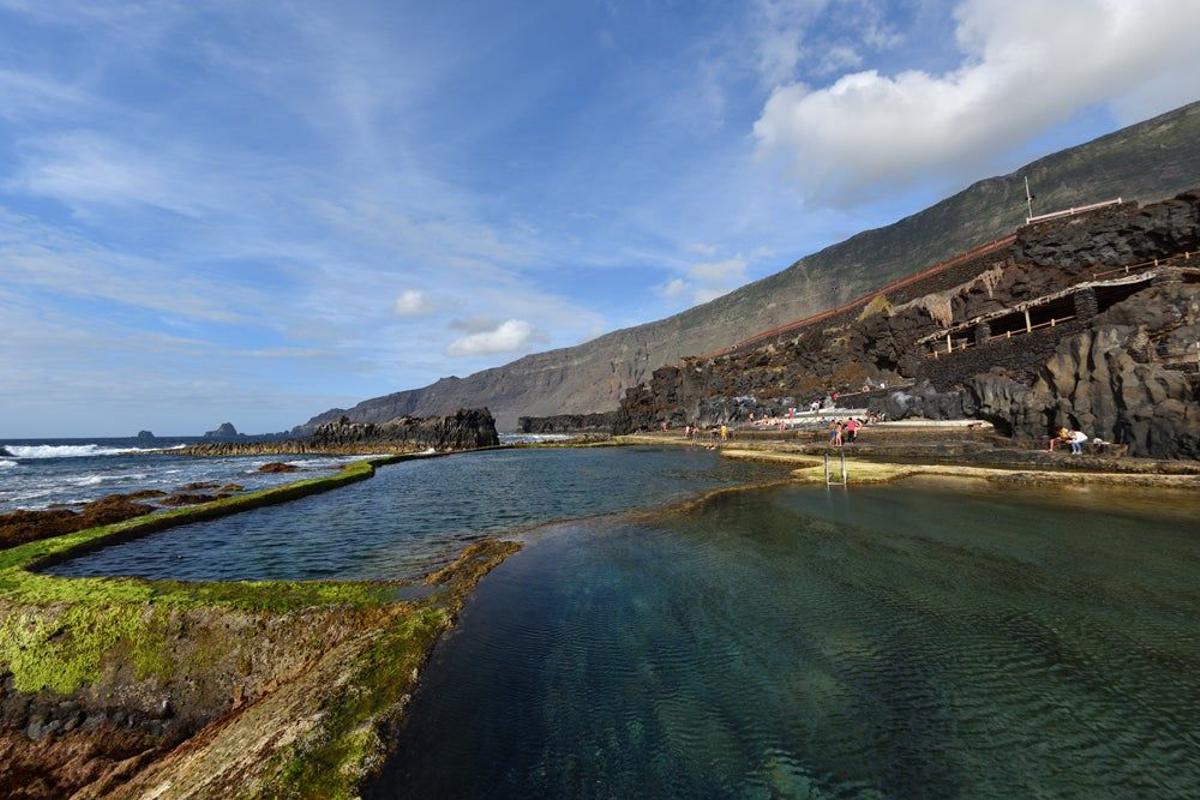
[(44, 473)]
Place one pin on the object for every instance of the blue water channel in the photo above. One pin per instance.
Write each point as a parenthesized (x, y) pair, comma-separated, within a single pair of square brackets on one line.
[(416, 516)]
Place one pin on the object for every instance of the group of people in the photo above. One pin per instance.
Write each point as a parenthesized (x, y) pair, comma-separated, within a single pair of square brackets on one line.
[(843, 431), (692, 431)]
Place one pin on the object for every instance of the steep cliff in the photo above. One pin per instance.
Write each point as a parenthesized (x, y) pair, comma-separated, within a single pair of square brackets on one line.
[(1089, 322), (1147, 161)]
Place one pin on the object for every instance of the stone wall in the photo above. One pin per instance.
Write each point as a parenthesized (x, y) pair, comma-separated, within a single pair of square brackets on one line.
[(1019, 356), (568, 423)]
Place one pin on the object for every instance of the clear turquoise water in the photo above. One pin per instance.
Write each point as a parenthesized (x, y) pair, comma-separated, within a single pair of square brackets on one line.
[(909, 641), (416, 516)]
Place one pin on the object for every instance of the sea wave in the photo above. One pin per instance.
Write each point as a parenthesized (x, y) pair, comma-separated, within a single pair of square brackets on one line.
[(5, 463), (76, 450), (96, 480)]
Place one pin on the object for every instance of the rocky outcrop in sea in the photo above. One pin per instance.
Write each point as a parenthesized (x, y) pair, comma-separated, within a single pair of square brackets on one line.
[(466, 429), (224, 431)]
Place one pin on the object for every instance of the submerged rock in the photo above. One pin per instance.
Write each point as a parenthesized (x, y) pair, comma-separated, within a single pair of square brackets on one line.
[(186, 499)]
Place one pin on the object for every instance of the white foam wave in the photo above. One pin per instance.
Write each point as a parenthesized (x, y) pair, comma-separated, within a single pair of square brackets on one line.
[(5, 463), (76, 450), (96, 480)]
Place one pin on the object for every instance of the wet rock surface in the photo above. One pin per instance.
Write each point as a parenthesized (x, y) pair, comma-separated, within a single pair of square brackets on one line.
[(278, 466), (18, 527)]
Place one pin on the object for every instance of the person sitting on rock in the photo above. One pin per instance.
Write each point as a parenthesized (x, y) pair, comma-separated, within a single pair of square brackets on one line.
[(1078, 439)]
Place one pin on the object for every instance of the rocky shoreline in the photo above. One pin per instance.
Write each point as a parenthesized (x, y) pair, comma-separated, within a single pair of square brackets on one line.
[(122, 687), (466, 429)]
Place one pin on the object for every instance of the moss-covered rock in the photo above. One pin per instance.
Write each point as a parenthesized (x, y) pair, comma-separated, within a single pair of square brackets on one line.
[(280, 686)]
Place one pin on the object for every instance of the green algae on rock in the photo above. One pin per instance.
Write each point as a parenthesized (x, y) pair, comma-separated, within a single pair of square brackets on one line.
[(279, 686)]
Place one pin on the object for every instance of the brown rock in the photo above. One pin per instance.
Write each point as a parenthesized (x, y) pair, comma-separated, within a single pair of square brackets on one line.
[(278, 466), (186, 499), (19, 527)]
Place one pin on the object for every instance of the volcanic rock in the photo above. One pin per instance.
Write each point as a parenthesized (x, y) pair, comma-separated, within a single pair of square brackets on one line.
[(278, 466), (224, 431), (18, 527)]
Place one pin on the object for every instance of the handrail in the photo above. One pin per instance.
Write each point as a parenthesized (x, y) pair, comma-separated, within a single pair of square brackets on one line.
[(964, 344), (1154, 262)]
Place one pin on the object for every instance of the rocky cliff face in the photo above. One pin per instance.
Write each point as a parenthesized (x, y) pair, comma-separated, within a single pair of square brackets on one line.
[(1147, 161), (1109, 381), (1120, 366)]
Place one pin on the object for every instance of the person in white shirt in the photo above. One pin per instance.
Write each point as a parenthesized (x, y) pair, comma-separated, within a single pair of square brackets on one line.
[(1078, 440)]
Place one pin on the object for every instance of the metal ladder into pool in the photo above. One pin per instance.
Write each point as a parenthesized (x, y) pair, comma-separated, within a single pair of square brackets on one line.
[(829, 480)]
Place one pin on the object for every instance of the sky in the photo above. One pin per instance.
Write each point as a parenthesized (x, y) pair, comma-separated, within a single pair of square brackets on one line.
[(251, 212)]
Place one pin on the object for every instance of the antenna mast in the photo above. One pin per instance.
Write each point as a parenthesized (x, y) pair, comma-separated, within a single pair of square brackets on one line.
[(1028, 197)]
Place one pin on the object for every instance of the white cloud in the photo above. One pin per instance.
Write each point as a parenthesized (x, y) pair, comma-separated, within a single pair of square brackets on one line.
[(707, 279), (703, 295), (673, 288), (728, 272), (780, 26), (1026, 65), (412, 303), (506, 337)]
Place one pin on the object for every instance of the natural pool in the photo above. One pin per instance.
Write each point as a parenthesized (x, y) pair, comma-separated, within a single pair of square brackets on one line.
[(908, 641), (416, 516)]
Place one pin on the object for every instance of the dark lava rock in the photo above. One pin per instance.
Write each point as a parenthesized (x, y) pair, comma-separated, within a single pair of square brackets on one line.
[(231, 488), (18, 527), (146, 494), (192, 487), (466, 429), (145, 436), (224, 431), (278, 466), (185, 499)]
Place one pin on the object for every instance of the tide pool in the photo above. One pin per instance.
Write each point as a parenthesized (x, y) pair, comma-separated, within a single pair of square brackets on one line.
[(907, 641)]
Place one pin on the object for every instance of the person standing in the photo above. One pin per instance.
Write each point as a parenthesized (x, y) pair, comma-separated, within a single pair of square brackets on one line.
[(724, 432)]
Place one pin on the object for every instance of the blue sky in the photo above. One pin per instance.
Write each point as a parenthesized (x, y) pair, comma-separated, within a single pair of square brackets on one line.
[(255, 211)]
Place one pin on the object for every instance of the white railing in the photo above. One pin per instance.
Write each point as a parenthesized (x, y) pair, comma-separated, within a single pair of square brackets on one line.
[(1071, 211)]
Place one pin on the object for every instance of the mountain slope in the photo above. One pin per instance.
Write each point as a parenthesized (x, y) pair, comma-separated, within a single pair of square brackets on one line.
[(1146, 161)]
